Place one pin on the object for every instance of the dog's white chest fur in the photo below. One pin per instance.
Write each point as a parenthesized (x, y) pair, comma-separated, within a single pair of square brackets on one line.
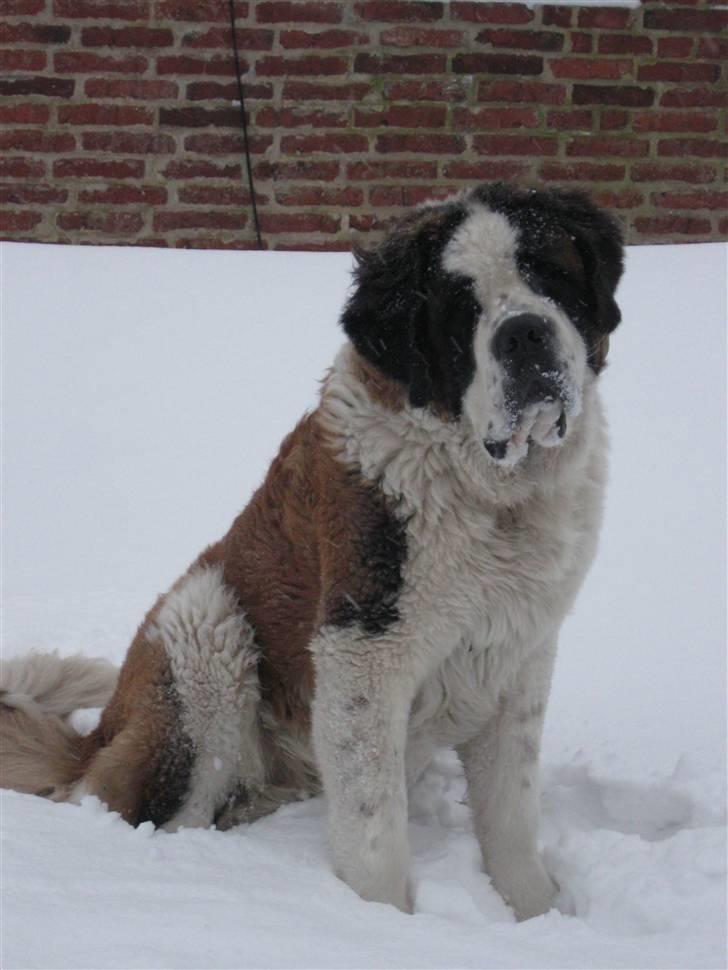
[(492, 565)]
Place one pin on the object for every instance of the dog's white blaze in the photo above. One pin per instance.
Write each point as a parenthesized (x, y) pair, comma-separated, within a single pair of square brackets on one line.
[(484, 249), (212, 654)]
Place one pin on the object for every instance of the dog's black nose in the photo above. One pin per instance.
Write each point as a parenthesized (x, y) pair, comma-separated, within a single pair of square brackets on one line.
[(525, 348), (522, 340)]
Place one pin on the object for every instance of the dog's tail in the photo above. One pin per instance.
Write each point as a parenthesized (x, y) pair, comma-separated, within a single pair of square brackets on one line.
[(40, 751)]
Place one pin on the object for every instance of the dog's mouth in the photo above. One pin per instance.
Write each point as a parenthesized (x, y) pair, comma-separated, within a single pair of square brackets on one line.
[(544, 423)]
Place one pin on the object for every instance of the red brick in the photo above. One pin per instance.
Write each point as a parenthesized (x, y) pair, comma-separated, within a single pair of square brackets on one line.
[(268, 117), (165, 220), (110, 223), (307, 195), (401, 11), (556, 16), (11, 60), (712, 48), (427, 89), (311, 91), (35, 140), (665, 172), (675, 46), (24, 114), (199, 117), (299, 11), (690, 200), (128, 142), (31, 194), (688, 21), (581, 43), (101, 9), (675, 121), (312, 65), (525, 40), (248, 39), (329, 246), (604, 18), (369, 222), (226, 91), (625, 95), (624, 44), (84, 62), (693, 98), (590, 69), (212, 242), (200, 11), (400, 63), (582, 172), (297, 169), (515, 145), (185, 169), (104, 114), (126, 37), (723, 226), (212, 144), (184, 64), (521, 64), (621, 147), (125, 195), (299, 222), (131, 89), (698, 147), (375, 170), (432, 143), (332, 142), (491, 13), (42, 87), (33, 34), (21, 8), (672, 225), (612, 120), (402, 116), (407, 36), (487, 119), (618, 198), (321, 39), (234, 195), (486, 170), (569, 120), (408, 195), (678, 72), (114, 168), (21, 168), (522, 92), (11, 221)]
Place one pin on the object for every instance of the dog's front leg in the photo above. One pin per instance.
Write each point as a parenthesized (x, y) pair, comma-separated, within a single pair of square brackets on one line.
[(360, 717), (501, 767)]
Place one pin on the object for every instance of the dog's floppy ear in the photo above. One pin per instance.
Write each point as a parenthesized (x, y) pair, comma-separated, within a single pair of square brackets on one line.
[(386, 317), (598, 239)]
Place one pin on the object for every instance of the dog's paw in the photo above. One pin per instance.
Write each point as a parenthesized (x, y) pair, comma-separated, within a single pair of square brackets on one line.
[(527, 888)]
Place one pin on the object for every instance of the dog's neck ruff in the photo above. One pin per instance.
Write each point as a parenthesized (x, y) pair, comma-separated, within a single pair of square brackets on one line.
[(425, 461)]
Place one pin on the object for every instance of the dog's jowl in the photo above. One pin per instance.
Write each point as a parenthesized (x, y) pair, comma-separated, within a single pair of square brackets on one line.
[(398, 580)]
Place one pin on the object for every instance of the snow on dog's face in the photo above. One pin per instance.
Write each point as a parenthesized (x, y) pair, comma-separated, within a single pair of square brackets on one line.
[(493, 309)]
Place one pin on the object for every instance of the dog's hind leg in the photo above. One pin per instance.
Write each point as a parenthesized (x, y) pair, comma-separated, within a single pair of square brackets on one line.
[(181, 734)]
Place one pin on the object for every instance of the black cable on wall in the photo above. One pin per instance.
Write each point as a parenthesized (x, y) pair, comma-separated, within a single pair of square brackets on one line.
[(244, 123)]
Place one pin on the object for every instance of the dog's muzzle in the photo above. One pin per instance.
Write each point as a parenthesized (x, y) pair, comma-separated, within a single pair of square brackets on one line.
[(525, 347)]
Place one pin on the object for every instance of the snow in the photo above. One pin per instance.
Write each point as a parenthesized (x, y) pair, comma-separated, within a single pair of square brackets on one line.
[(144, 394)]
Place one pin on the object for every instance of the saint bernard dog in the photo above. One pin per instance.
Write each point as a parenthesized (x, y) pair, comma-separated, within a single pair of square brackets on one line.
[(397, 582)]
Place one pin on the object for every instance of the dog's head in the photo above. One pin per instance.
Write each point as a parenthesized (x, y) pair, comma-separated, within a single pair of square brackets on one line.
[(493, 308)]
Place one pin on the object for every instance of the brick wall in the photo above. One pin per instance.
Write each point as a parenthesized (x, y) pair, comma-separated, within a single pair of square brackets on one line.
[(119, 120)]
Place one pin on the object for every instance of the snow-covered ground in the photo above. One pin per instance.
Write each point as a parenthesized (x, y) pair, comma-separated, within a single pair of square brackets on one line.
[(144, 394)]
